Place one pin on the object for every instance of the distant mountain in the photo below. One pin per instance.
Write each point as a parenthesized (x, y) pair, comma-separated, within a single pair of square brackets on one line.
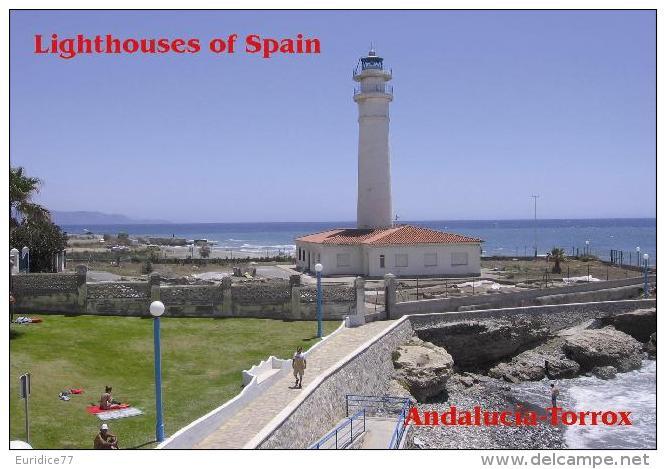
[(97, 218)]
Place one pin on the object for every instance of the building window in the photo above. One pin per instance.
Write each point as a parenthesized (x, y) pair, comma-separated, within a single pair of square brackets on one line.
[(318, 258), (430, 259), (343, 260), (401, 260), (459, 258), (382, 261)]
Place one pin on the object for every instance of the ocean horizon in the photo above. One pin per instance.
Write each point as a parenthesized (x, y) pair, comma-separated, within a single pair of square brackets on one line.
[(513, 237)]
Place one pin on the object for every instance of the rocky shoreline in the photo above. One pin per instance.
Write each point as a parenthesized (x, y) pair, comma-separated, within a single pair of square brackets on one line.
[(474, 363)]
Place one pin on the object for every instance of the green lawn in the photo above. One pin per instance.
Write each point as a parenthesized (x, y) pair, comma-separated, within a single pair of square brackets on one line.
[(202, 361)]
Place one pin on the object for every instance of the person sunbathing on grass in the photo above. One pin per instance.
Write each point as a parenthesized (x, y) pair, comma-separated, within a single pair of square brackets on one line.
[(105, 439), (106, 401)]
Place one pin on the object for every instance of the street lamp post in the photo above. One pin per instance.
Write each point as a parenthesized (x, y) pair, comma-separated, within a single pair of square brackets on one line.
[(638, 256), (320, 313), (156, 310), (25, 254), (646, 287), (535, 197), (587, 247)]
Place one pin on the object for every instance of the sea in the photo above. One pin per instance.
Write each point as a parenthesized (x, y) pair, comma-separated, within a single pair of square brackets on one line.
[(501, 237)]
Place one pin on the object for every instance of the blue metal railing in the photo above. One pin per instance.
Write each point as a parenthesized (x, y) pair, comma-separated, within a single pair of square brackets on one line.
[(342, 435), (400, 426)]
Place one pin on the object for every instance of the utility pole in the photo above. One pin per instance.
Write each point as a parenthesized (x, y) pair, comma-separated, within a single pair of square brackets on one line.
[(535, 197)]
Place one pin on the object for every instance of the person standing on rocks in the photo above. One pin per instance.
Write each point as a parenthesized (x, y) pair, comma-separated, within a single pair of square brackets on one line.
[(299, 364), (554, 393)]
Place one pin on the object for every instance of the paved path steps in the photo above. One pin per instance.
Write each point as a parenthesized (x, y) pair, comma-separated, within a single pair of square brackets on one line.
[(243, 426)]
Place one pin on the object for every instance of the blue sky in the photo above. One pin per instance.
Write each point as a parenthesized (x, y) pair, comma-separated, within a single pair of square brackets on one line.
[(489, 108)]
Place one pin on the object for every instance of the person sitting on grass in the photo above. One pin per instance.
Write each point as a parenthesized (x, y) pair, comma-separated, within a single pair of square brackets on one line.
[(105, 439), (106, 400)]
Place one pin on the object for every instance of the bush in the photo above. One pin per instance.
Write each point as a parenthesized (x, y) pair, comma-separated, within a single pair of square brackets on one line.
[(123, 238), (147, 267), (44, 240)]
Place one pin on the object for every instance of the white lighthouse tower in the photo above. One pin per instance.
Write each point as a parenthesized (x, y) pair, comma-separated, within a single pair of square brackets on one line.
[(373, 95), (376, 246)]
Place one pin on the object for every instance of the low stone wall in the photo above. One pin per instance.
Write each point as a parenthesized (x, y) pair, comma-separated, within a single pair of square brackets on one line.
[(117, 298), (272, 299), (47, 293), (365, 372), (523, 298)]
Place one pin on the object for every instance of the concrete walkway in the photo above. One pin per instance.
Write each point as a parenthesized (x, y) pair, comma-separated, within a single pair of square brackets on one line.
[(378, 432), (242, 427)]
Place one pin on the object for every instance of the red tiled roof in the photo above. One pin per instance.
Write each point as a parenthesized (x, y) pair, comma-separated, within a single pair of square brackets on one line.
[(402, 234)]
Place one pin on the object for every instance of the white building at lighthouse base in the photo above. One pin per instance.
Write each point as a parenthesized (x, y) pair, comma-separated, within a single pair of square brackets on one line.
[(402, 250)]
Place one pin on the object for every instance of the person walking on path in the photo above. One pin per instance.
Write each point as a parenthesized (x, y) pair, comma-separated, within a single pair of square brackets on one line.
[(299, 364), (554, 393)]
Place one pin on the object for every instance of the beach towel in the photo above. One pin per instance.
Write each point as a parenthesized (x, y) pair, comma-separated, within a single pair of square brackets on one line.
[(119, 413), (94, 409), (26, 320)]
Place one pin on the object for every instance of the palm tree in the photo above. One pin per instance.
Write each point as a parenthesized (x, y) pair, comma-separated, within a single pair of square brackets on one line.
[(557, 255), (21, 207)]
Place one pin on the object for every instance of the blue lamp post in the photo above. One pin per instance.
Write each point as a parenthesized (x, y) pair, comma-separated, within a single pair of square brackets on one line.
[(646, 287), (638, 256), (156, 310), (320, 313), (25, 255)]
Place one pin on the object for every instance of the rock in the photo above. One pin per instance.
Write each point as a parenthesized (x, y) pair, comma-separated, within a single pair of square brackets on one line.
[(639, 324), (418, 442), (562, 368), (547, 360), (475, 343), (423, 368), (460, 381), (602, 347), (467, 381), (651, 346), (515, 372), (604, 372)]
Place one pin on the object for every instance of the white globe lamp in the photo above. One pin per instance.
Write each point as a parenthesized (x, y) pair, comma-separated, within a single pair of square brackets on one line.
[(156, 309)]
